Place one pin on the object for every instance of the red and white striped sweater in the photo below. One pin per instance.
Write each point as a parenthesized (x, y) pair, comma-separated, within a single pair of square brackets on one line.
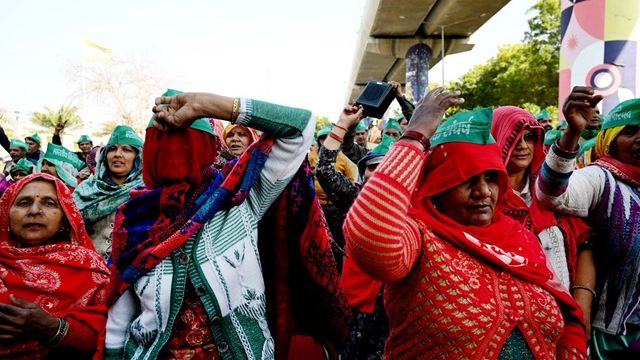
[(441, 301)]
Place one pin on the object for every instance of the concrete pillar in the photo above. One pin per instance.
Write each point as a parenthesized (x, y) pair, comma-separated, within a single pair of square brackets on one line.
[(417, 62)]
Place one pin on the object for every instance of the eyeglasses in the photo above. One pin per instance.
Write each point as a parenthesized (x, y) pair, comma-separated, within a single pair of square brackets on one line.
[(530, 137)]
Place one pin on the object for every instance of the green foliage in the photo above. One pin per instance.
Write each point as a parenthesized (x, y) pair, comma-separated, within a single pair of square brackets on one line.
[(321, 122), (544, 27), (521, 73), (5, 122), (66, 115)]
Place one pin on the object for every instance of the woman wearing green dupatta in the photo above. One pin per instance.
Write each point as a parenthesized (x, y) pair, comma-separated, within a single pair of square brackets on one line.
[(119, 170)]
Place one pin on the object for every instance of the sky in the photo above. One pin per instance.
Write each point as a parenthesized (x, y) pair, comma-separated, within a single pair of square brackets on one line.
[(293, 52)]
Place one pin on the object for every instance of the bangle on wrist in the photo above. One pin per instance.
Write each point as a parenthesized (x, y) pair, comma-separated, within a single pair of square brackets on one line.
[(336, 137), (417, 136), (63, 329), (580, 287), (340, 127), (234, 109), (563, 153)]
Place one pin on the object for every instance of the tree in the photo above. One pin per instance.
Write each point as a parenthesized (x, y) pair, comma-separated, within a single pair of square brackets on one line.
[(321, 122), (123, 86), (66, 115), (544, 27), (521, 73)]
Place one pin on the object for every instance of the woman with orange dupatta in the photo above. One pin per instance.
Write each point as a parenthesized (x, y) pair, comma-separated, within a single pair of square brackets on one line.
[(53, 284), (461, 279)]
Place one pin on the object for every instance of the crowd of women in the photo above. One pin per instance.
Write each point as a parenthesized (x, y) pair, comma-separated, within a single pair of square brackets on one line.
[(474, 237)]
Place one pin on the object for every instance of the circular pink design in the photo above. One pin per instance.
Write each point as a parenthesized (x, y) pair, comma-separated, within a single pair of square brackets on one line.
[(590, 17), (604, 78)]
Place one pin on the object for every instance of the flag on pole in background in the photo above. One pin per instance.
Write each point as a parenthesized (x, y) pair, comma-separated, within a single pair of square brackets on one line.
[(93, 52)]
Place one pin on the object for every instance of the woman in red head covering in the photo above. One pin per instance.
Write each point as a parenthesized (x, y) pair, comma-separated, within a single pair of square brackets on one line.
[(521, 141), (53, 284), (462, 280)]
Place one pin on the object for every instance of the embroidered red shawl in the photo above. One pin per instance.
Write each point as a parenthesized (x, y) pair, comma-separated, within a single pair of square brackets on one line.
[(66, 279), (504, 243)]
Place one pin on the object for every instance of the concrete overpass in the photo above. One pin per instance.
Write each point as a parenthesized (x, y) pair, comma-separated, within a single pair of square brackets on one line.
[(390, 27)]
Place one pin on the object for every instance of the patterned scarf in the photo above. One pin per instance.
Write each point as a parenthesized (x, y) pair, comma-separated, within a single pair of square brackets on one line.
[(301, 278), (625, 172), (66, 279), (504, 243), (98, 196), (155, 222)]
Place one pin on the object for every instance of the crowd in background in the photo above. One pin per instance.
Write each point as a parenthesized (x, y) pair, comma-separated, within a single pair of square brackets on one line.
[(492, 233)]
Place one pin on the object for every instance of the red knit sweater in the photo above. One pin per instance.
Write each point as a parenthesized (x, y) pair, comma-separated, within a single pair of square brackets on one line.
[(441, 301)]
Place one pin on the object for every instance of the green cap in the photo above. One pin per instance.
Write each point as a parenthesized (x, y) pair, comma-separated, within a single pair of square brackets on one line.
[(202, 124), (361, 127), (60, 153), (65, 161), (384, 145), (398, 117), (125, 135), (551, 136), (544, 114), (469, 126), (588, 145), (17, 143), (324, 131), (393, 124), (84, 139), (34, 137), (376, 155), (625, 113), (22, 165), (562, 123)]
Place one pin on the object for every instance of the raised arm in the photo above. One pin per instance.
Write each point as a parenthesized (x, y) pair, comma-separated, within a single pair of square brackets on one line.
[(381, 237), (339, 188), (4, 140), (292, 127), (406, 105), (558, 185), (55, 138)]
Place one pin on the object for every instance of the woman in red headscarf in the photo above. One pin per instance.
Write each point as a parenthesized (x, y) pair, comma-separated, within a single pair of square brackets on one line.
[(521, 141), (461, 279), (53, 284)]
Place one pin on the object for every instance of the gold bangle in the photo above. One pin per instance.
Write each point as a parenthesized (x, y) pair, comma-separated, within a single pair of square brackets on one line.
[(234, 109), (575, 287)]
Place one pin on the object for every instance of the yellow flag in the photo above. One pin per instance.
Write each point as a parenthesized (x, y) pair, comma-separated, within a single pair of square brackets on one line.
[(93, 52)]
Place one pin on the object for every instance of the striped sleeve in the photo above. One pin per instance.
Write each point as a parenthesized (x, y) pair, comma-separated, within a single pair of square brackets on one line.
[(569, 191), (381, 238)]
